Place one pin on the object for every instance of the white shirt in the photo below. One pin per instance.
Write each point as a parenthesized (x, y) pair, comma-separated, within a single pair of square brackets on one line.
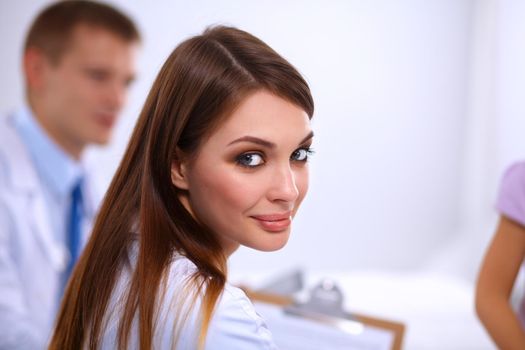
[(234, 326)]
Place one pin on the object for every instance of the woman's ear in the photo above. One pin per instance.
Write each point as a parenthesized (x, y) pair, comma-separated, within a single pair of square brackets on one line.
[(179, 176)]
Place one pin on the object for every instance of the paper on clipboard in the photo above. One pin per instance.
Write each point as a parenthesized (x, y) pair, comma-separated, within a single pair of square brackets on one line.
[(321, 322), (291, 332)]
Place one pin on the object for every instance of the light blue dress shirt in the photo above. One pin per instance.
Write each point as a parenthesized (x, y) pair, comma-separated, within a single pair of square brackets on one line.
[(58, 171)]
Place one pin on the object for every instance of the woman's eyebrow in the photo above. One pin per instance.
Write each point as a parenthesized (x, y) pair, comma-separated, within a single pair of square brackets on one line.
[(253, 139), (265, 143), (308, 137)]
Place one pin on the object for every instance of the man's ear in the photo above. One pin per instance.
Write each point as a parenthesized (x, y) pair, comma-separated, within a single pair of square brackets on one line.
[(35, 64), (179, 172)]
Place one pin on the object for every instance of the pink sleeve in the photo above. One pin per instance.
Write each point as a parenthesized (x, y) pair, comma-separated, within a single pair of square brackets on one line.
[(511, 198)]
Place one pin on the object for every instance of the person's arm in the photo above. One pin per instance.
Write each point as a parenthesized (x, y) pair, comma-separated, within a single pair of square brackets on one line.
[(495, 282), (16, 329)]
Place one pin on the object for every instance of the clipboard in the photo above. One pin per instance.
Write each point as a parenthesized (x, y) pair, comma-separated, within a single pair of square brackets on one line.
[(324, 306)]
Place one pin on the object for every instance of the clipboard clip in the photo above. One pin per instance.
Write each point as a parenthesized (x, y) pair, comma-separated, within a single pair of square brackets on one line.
[(325, 304), (324, 299)]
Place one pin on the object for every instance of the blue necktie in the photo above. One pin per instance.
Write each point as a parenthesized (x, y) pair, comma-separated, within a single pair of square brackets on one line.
[(74, 227)]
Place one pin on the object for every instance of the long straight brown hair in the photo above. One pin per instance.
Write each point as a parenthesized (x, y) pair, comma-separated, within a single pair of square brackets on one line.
[(200, 84)]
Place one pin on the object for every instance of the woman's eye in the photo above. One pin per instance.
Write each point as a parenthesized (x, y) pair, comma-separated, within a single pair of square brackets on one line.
[(301, 154), (250, 160)]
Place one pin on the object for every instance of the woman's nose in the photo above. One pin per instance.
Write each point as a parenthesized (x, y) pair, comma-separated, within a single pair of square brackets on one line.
[(283, 186)]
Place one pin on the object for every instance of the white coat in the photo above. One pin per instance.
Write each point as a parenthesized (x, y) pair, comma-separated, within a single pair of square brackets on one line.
[(32, 261)]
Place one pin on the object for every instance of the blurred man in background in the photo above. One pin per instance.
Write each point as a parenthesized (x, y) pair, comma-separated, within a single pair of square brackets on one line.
[(78, 62)]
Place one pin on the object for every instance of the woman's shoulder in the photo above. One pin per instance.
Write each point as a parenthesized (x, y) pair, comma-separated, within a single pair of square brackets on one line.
[(233, 304), (515, 171), (236, 324), (235, 298), (181, 266)]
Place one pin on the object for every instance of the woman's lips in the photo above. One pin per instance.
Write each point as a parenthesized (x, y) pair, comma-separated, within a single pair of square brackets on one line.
[(274, 222)]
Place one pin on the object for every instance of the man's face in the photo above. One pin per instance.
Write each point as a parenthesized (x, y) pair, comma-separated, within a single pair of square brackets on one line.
[(81, 95)]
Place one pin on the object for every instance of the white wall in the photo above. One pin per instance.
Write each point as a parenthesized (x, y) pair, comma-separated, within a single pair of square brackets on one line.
[(494, 127), (510, 84), (390, 81)]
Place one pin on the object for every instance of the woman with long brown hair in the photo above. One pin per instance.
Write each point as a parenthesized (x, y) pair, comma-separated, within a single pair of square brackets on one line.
[(218, 158)]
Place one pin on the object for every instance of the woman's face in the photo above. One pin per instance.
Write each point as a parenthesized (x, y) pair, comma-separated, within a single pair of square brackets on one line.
[(250, 176)]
